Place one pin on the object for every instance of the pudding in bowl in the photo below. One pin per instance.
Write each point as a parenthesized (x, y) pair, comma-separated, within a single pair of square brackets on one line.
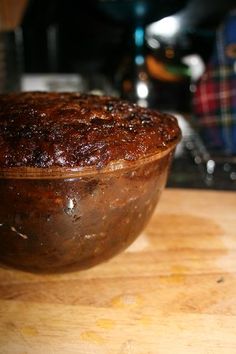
[(80, 176)]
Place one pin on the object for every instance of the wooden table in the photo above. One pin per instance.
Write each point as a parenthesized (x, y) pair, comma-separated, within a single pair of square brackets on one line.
[(173, 291)]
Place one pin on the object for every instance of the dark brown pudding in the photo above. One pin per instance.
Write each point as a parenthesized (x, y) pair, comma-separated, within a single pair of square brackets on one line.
[(80, 176), (62, 129)]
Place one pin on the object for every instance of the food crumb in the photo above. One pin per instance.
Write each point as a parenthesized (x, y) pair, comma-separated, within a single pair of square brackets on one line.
[(220, 280)]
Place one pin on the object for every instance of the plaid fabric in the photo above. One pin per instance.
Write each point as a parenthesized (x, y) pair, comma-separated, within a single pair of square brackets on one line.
[(214, 102)]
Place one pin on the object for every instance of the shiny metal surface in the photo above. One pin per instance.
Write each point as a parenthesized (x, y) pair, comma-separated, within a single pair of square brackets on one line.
[(195, 166)]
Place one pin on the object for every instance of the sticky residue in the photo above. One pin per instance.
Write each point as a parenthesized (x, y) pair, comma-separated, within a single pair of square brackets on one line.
[(127, 300), (177, 275), (145, 320), (29, 331), (92, 337), (105, 323)]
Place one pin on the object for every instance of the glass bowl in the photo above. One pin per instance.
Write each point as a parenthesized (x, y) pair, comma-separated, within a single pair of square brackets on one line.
[(63, 219)]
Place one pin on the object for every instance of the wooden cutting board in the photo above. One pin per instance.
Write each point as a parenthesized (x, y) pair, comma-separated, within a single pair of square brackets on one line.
[(173, 291)]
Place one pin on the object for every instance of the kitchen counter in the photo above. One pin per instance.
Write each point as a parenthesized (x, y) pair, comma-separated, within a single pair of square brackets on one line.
[(173, 291)]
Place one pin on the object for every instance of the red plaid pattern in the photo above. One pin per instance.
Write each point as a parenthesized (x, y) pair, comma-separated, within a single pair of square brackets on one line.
[(214, 102)]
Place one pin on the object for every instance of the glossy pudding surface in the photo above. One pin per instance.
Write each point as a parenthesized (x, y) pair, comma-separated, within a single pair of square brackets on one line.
[(80, 176)]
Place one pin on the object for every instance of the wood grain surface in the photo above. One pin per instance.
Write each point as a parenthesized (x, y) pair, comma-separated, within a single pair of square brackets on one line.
[(173, 291)]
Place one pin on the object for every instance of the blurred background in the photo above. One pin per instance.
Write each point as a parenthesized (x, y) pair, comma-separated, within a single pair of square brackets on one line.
[(176, 56)]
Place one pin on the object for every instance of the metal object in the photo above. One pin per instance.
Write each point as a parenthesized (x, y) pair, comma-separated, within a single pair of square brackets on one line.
[(196, 166)]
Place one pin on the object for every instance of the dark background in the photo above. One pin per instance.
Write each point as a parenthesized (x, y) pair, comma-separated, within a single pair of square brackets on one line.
[(92, 36)]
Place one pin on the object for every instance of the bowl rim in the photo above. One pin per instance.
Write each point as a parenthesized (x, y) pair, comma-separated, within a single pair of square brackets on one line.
[(57, 172)]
